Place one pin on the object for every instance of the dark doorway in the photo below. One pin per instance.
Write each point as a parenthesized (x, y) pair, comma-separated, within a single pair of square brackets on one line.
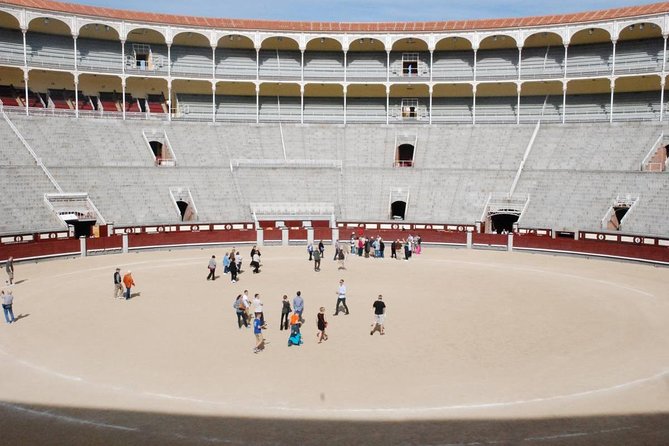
[(404, 157), (82, 228), (157, 148), (397, 210), (666, 150), (183, 206), (620, 212), (503, 222)]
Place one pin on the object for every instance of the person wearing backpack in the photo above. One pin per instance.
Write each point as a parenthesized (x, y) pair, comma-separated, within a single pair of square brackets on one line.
[(240, 309)]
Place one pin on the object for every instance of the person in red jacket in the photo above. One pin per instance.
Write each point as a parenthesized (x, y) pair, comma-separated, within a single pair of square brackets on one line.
[(129, 283)]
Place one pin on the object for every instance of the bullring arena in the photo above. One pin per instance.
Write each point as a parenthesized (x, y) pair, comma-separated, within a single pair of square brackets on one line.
[(529, 154)]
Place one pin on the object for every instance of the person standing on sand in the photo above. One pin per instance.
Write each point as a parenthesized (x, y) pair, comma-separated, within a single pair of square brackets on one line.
[(379, 316), (9, 268), (7, 303), (341, 297), (118, 284), (257, 331), (233, 271), (322, 325), (212, 268), (298, 305), (317, 260), (285, 311), (129, 282), (240, 309)]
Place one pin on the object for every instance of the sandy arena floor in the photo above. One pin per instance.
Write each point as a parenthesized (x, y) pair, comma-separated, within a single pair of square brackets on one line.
[(481, 347)]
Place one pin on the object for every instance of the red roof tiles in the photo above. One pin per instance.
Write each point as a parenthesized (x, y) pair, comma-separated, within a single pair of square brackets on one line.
[(204, 22)]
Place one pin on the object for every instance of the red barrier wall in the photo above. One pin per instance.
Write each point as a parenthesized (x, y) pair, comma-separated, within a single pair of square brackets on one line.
[(623, 246)]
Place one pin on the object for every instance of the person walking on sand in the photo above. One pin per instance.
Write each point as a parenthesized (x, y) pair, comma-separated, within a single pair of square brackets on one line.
[(257, 331), (285, 312), (379, 316), (341, 258), (9, 268), (341, 298), (317, 260), (7, 302), (118, 284), (322, 325), (233, 271), (212, 268), (258, 308), (240, 309), (129, 282)]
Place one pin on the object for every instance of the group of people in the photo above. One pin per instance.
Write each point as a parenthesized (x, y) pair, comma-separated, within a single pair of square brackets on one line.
[(376, 246), (317, 254), (123, 285), (292, 316), (232, 264)]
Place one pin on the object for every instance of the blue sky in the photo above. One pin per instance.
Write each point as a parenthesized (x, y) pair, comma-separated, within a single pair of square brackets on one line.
[(363, 10)]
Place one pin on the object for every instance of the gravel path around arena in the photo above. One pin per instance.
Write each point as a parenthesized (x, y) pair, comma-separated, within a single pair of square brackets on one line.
[(470, 335)]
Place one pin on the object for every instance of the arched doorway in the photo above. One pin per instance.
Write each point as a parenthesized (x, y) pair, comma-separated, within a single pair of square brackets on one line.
[(398, 210), (183, 207), (503, 223), (404, 155)]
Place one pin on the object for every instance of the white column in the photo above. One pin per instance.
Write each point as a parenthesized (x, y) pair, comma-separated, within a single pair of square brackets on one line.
[(345, 63), (302, 100), (76, 94), (518, 88), (169, 61), (74, 37), (509, 242), (257, 64), (387, 103), (169, 99), (213, 101), (388, 66), (213, 61), (564, 100), (123, 95), (520, 60), (566, 53), (25, 83), (123, 58), (662, 79), (124, 238), (613, 87), (284, 236), (257, 103), (345, 91), (431, 63), (430, 90), (474, 104), (302, 65), (664, 54), (475, 51), (613, 63), (469, 240), (82, 246), (260, 238), (25, 67)]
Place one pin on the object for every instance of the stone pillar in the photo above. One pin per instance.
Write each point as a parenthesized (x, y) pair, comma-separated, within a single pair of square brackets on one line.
[(469, 240), (125, 243), (335, 236), (82, 244), (509, 242), (310, 235), (284, 236), (260, 237)]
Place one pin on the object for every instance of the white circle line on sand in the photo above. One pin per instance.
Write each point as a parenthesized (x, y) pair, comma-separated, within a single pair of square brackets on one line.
[(398, 410)]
